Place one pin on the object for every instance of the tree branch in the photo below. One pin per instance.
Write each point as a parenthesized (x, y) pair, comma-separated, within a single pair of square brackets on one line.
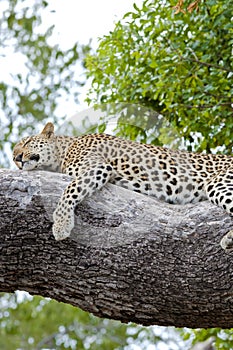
[(209, 65), (206, 106), (130, 257)]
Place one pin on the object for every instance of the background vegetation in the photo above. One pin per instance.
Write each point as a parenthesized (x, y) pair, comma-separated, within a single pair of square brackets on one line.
[(178, 66)]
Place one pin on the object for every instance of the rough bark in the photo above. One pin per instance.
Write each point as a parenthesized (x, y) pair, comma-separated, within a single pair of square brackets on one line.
[(130, 257)]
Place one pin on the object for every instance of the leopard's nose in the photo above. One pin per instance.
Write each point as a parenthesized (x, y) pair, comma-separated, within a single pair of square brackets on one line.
[(19, 157)]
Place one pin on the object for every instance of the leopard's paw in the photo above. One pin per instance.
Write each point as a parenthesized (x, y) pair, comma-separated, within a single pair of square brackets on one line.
[(62, 226), (227, 242), (60, 233)]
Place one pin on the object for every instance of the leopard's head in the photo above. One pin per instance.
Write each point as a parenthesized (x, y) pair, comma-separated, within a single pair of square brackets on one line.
[(36, 152)]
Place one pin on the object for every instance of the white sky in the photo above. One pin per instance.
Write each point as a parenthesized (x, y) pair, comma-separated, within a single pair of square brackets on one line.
[(77, 20)]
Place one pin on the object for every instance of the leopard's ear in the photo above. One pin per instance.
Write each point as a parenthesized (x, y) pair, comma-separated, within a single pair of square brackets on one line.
[(48, 130)]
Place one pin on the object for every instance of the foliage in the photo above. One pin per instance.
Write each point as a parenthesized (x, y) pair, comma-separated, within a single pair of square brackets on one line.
[(222, 339), (22, 325), (180, 65), (43, 73)]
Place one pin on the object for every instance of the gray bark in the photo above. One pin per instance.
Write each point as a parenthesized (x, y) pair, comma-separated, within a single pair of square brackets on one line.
[(130, 257)]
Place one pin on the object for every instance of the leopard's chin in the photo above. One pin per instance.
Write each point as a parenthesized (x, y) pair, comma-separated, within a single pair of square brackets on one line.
[(29, 165)]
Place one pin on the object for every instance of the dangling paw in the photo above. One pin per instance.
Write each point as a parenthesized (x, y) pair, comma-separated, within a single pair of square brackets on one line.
[(59, 232), (62, 226), (227, 242)]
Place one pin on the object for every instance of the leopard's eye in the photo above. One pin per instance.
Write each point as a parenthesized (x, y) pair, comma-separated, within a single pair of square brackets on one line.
[(35, 157)]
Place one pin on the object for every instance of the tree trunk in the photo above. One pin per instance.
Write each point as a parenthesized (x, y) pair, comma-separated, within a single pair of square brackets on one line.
[(129, 258)]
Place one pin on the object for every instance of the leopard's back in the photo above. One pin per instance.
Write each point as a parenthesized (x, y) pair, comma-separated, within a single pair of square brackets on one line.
[(170, 175)]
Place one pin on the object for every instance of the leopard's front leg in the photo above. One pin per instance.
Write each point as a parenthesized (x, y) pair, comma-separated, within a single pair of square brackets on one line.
[(86, 183), (63, 216)]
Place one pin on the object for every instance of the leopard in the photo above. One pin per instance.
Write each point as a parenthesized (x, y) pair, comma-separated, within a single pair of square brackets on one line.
[(93, 160)]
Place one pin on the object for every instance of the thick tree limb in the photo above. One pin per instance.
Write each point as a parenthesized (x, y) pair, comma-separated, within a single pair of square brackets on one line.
[(131, 257)]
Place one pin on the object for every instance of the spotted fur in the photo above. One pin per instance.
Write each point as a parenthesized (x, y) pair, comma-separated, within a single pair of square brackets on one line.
[(93, 160)]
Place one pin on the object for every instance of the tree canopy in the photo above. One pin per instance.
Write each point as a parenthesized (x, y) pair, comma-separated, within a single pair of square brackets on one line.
[(180, 65)]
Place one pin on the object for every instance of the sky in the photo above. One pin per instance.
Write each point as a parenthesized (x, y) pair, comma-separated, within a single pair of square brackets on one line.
[(77, 20), (81, 21)]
